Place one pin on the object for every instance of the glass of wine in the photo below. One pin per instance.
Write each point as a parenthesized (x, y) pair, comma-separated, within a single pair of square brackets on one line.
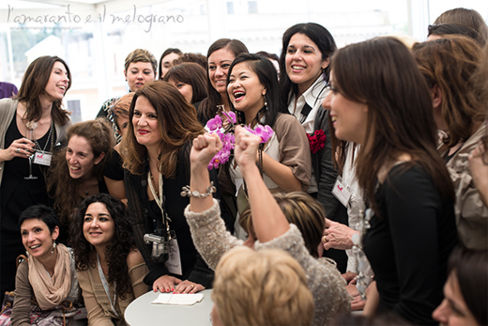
[(30, 129)]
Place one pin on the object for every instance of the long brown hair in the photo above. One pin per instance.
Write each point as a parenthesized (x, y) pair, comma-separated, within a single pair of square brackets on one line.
[(382, 74), (34, 84), (60, 185), (179, 125), (450, 63)]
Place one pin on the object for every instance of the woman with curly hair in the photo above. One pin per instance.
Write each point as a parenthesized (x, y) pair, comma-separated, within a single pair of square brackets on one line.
[(448, 65), (110, 269), (77, 171)]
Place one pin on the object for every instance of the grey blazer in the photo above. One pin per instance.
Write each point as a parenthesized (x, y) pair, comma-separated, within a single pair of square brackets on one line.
[(8, 107)]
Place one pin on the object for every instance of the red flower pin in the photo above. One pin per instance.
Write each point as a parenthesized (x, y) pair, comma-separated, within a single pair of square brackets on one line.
[(316, 140)]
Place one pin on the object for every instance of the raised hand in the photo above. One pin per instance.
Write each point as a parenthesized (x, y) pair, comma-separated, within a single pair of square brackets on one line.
[(204, 149), (246, 147)]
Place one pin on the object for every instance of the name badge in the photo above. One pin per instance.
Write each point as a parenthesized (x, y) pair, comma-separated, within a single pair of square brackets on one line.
[(341, 192), (173, 264), (43, 158)]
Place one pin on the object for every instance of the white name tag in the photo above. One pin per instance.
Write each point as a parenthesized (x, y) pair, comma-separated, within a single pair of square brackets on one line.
[(42, 158), (173, 264), (341, 192)]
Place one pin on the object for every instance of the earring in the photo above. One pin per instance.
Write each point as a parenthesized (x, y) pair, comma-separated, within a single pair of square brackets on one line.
[(53, 248)]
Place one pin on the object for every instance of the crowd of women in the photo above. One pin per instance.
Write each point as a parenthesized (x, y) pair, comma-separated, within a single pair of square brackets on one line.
[(370, 193)]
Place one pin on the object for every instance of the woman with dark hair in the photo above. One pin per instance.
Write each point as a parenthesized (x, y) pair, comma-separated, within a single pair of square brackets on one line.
[(32, 123), (109, 267), (253, 91), (48, 276), (448, 66), (304, 70), (166, 61), (409, 226), (465, 294), (190, 79), (77, 170), (155, 154), (220, 56), (304, 74)]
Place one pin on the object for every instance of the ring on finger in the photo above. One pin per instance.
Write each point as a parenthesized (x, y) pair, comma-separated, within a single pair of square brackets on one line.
[(17, 150)]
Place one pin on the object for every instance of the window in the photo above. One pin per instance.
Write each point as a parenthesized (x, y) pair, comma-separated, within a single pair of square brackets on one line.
[(252, 7), (230, 8)]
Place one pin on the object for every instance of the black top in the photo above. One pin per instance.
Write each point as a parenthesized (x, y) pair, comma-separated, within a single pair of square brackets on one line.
[(16, 192), (113, 167), (145, 217), (408, 245)]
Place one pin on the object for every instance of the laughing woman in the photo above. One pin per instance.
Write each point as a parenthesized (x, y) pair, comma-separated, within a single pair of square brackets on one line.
[(155, 152), (47, 278), (77, 171), (109, 268), (253, 90), (31, 122), (304, 70), (285, 160), (405, 182)]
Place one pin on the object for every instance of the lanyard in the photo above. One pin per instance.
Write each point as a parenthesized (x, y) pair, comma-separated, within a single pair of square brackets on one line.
[(105, 286), (159, 200)]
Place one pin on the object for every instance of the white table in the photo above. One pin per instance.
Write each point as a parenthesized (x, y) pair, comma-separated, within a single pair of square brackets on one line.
[(141, 312)]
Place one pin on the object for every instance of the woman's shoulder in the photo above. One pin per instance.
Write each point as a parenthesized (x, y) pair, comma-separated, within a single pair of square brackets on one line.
[(134, 258), (286, 122), (409, 178), (7, 107), (23, 268)]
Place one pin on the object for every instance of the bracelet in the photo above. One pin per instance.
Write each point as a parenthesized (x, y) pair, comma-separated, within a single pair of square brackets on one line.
[(186, 192)]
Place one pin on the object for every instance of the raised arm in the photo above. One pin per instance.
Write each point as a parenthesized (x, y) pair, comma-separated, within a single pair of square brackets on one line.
[(203, 150), (207, 229), (267, 217)]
